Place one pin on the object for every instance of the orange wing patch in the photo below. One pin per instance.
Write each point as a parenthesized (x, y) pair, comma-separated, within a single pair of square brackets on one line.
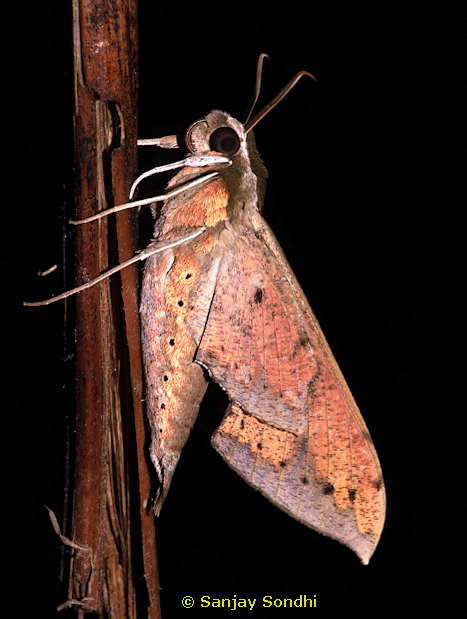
[(184, 273), (271, 444)]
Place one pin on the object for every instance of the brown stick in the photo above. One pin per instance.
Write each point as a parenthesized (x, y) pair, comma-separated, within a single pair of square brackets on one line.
[(110, 431)]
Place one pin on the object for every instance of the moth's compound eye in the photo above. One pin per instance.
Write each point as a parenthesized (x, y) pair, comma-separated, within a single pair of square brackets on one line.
[(189, 135), (224, 140)]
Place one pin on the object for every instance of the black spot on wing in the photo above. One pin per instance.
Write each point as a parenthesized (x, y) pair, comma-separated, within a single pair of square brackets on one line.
[(258, 296)]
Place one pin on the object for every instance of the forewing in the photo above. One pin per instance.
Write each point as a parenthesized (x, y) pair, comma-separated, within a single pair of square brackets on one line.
[(292, 430), (178, 285)]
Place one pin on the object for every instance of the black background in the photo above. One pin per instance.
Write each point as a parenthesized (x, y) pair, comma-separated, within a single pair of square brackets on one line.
[(366, 200)]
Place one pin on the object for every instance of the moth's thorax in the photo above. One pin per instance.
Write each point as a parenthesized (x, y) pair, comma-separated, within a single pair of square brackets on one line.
[(205, 206)]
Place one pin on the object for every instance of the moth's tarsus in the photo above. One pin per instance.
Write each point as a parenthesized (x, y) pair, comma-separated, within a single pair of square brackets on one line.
[(168, 141), (145, 253), (47, 271), (162, 198)]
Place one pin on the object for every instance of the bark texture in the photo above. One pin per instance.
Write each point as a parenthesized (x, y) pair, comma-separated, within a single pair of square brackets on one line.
[(111, 516)]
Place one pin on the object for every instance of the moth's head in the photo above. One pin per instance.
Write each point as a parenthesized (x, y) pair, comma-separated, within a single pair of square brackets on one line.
[(221, 134), (217, 132)]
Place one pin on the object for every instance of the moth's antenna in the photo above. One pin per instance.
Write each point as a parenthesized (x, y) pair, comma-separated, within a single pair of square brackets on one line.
[(267, 108), (255, 95)]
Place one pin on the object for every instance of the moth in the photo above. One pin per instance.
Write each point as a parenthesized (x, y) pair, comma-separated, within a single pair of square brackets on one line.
[(219, 301)]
